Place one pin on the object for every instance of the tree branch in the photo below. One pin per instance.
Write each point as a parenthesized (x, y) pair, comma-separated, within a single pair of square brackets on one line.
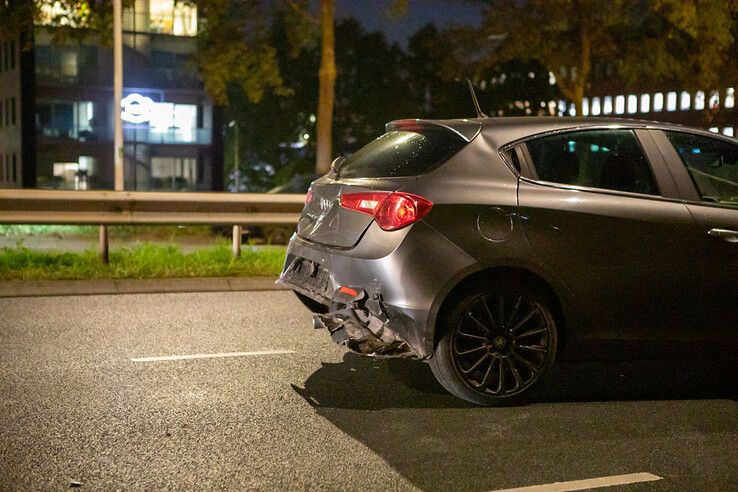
[(301, 11)]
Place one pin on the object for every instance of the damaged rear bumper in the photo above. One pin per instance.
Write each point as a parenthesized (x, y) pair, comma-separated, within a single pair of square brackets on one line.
[(396, 287), (357, 320), (372, 338)]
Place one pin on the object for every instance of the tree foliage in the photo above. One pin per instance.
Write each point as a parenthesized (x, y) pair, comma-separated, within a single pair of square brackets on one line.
[(686, 43), (235, 49), (645, 40)]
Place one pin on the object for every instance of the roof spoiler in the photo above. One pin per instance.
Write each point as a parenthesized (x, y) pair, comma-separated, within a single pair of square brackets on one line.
[(464, 129)]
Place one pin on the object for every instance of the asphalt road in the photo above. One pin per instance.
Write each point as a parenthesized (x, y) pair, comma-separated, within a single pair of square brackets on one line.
[(74, 407)]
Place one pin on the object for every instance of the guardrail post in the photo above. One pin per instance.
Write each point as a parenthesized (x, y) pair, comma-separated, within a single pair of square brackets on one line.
[(236, 241), (104, 249)]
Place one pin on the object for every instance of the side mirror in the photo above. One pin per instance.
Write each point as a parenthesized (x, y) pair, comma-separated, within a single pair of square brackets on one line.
[(337, 163)]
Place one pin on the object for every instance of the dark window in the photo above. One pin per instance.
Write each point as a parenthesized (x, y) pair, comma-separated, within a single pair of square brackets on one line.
[(12, 54), (402, 153), (512, 158), (15, 169), (712, 163), (1, 114), (607, 159), (2, 57), (7, 112), (12, 110), (2, 169)]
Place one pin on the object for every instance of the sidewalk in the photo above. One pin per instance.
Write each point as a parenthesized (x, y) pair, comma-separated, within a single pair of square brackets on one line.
[(33, 288)]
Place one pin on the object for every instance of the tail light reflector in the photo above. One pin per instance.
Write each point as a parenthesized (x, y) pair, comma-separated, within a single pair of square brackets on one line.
[(392, 211), (309, 196)]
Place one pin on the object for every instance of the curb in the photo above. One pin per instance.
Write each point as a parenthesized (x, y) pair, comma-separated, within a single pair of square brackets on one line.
[(40, 288)]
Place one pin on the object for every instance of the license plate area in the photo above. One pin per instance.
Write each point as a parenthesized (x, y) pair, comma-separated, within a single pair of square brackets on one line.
[(310, 276)]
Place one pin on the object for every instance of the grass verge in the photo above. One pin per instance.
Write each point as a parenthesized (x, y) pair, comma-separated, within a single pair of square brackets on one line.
[(146, 260)]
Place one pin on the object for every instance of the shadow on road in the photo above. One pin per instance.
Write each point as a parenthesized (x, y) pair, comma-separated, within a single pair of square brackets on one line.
[(363, 383), (592, 419)]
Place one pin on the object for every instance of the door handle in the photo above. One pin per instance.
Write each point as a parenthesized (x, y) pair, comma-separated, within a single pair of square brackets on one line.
[(725, 234)]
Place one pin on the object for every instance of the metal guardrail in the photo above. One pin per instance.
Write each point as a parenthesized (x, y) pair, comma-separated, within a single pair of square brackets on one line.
[(139, 207)]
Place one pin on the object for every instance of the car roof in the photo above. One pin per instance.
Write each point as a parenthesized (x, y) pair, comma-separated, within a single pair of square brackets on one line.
[(504, 130)]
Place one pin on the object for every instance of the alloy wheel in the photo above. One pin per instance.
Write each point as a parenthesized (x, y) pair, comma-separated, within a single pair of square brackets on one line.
[(502, 343)]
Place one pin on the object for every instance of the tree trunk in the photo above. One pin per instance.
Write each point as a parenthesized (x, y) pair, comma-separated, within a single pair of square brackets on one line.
[(585, 68), (327, 88), (574, 86), (579, 98)]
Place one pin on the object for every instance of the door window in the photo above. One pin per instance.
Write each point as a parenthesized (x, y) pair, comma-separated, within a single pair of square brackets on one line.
[(607, 159), (712, 163)]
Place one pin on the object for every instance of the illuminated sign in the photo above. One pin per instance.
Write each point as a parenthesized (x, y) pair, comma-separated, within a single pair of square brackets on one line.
[(136, 108)]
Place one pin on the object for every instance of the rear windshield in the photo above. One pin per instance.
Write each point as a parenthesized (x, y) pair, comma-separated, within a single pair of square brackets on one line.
[(402, 153)]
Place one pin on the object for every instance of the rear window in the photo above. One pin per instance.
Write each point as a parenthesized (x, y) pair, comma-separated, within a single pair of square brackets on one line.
[(402, 153)]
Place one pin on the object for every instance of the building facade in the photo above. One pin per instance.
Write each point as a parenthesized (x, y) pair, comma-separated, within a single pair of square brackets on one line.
[(10, 111), (172, 132), (710, 109)]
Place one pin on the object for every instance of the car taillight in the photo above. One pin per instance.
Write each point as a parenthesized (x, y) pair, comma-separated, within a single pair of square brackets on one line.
[(392, 211), (309, 196), (367, 203)]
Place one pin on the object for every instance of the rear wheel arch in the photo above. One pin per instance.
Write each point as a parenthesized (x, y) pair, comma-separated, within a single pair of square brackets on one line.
[(525, 276)]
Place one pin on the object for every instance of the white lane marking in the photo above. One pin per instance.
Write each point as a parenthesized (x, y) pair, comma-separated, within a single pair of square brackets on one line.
[(590, 483), (211, 356)]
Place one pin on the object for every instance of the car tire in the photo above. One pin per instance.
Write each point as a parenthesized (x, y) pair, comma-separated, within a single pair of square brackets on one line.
[(499, 342)]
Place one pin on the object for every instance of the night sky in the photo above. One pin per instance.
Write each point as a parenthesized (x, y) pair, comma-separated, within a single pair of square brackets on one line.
[(373, 15)]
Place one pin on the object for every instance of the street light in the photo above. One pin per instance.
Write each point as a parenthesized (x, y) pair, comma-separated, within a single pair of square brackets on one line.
[(118, 131), (117, 94), (236, 240)]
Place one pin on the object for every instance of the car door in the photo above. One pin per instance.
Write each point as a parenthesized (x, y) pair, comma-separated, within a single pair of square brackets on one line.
[(601, 209), (709, 164)]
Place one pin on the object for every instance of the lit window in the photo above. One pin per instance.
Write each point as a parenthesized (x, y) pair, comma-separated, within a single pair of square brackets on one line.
[(177, 121), (170, 17), (632, 103), (645, 103), (684, 101), (562, 108), (173, 173), (68, 63), (730, 98), (585, 107), (715, 129), (714, 101), (699, 100), (572, 110), (595, 106), (74, 175), (619, 104), (728, 132), (671, 101), (161, 117), (658, 102), (185, 121), (607, 105)]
